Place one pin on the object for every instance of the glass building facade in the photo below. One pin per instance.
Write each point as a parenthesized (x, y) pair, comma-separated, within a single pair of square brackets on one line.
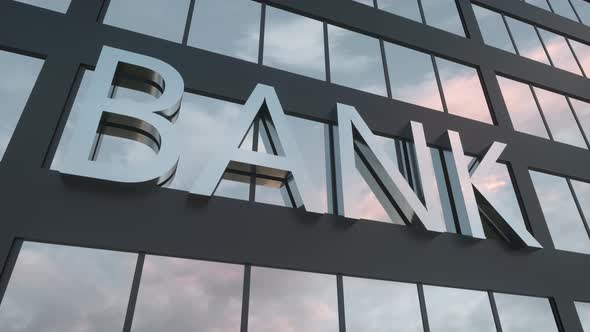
[(87, 254)]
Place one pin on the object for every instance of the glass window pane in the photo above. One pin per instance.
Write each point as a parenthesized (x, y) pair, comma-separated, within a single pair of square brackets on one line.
[(456, 310), (560, 119), (294, 43), (493, 29), (69, 289), (238, 36), (233, 189), (55, 5), (524, 313), (559, 51), (406, 8), (582, 52), (582, 192), (561, 213), (443, 14), (497, 187), (188, 295), (145, 16), (412, 77), (527, 41), (294, 301), (563, 8), (583, 310), (355, 61), (463, 91), (582, 110), (18, 75), (583, 9), (381, 306), (365, 2), (522, 107), (539, 3), (443, 190)]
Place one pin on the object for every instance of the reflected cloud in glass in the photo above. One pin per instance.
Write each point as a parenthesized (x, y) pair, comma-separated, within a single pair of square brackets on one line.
[(527, 40), (493, 29), (443, 14), (524, 313), (405, 8), (522, 107), (355, 61), (560, 118), (583, 310), (457, 310), (294, 43), (188, 295), (559, 51), (229, 27), (582, 110), (412, 77), (563, 8), (583, 9), (18, 75), (67, 289), (561, 213), (582, 52), (282, 300), (146, 16), (381, 306), (463, 91)]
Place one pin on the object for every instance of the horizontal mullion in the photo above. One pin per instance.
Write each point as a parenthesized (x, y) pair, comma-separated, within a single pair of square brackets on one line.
[(78, 211)]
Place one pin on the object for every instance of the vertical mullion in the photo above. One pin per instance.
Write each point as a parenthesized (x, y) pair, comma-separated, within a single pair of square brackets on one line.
[(331, 167), (495, 311), (439, 84), (445, 170), (571, 106), (423, 310), (575, 11), (189, 19), (341, 309), (579, 206), (510, 35), (103, 11), (8, 266), (385, 69), (422, 14), (544, 46), (134, 293), (262, 31), (541, 112), (246, 298), (255, 130), (569, 45), (327, 53)]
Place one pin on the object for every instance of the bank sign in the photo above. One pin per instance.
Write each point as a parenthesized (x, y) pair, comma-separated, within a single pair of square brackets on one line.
[(353, 136)]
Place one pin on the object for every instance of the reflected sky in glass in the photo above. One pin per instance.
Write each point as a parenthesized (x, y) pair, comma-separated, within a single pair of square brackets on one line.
[(583, 9), (443, 14), (229, 27), (294, 43), (406, 8), (381, 306), (18, 75), (582, 110), (497, 187), (366, 2), (527, 40), (583, 310), (463, 91), (561, 213), (522, 107), (524, 313), (559, 51), (146, 16), (539, 3), (282, 300), (412, 78), (355, 61), (582, 192), (493, 29), (582, 52), (55, 5), (188, 295), (67, 289), (457, 310), (560, 119), (563, 8)]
